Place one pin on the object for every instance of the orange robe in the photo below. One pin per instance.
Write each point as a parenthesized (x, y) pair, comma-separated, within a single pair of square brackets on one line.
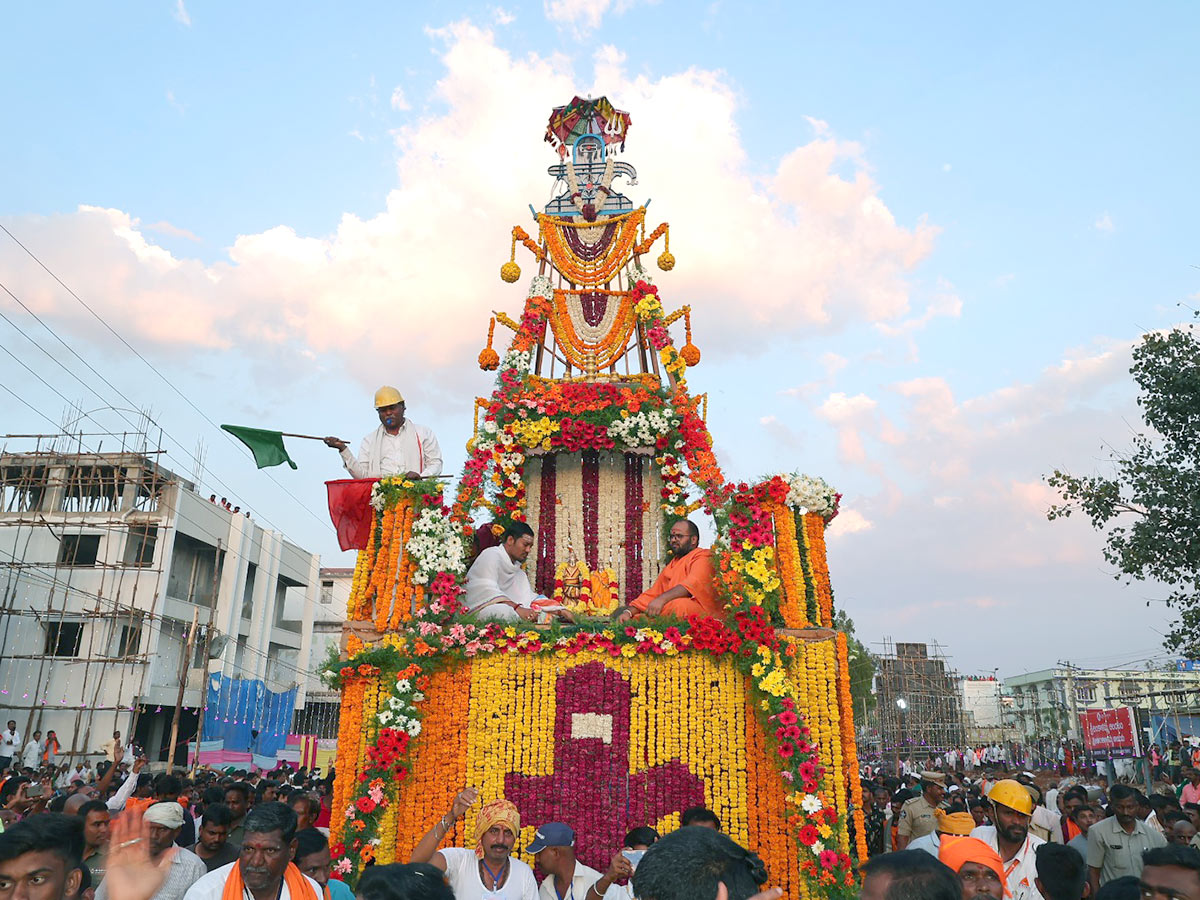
[(694, 572)]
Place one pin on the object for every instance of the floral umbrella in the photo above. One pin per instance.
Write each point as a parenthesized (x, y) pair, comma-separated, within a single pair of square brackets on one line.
[(589, 116)]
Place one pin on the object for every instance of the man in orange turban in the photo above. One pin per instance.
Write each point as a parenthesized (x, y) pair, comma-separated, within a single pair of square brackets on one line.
[(948, 825), (979, 867), (489, 870)]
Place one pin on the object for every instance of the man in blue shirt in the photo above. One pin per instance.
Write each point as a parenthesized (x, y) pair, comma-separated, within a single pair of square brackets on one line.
[(312, 859)]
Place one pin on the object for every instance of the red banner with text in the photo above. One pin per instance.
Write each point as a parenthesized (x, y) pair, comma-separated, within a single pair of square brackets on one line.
[(1109, 733)]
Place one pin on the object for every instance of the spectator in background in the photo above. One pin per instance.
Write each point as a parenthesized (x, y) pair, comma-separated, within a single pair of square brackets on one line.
[(1084, 818), (691, 863), (313, 860), (906, 874), (31, 756), (183, 868), (1191, 790), (237, 798), (892, 834), (1125, 888), (40, 858), (1061, 873), (50, 749), (699, 815), (306, 808), (213, 845), (978, 866), (875, 819), (96, 824), (640, 839), (169, 788), (10, 744)]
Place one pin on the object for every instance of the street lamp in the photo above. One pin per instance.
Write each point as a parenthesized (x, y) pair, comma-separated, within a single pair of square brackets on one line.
[(902, 705)]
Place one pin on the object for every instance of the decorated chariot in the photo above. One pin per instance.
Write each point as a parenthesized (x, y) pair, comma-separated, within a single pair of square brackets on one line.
[(592, 436)]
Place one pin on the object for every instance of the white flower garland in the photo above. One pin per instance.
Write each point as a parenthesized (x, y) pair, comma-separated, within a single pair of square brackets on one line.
[(809, 494), (435, 546)]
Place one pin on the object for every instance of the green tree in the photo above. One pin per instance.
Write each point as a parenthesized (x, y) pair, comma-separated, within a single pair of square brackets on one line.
[(1149, 508), (861, 663)]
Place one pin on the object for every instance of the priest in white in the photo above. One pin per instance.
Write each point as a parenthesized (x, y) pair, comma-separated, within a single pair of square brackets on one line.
[(396, 447), (499, 589)]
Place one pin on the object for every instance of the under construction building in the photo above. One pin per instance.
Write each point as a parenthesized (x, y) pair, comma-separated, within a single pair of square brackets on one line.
[(128, 600), (920, 711)]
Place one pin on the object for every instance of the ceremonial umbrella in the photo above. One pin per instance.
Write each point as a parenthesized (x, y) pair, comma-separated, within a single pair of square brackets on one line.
[(580, 117)]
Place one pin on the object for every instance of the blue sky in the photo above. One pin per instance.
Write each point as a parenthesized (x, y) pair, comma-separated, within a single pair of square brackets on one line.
[(918, 241)]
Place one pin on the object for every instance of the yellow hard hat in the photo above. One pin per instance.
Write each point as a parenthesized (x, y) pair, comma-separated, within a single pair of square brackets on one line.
[(1012, 793), (386, 396)]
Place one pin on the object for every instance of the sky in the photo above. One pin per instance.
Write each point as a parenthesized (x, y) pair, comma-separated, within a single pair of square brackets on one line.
[(919, 244)]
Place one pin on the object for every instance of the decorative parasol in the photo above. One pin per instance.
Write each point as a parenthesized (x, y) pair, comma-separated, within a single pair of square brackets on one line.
[(580, 117)]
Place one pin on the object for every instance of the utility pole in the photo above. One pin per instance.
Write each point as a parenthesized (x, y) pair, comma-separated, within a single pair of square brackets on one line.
[(212, 615), (183, 670)]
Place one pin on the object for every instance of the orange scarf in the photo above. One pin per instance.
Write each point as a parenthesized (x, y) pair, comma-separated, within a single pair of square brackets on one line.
[(297, 885)]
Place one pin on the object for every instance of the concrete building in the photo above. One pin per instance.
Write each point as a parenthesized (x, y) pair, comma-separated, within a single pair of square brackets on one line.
[(1046, 704), (983, 707), (320, 714), (108, 564)]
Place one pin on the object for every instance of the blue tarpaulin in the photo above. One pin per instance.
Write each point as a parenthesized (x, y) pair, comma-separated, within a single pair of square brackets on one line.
[(1163, 728), (235, 707)]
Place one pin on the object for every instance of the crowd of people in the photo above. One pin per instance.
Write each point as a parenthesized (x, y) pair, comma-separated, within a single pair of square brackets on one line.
[(119, 833), (997, 834)]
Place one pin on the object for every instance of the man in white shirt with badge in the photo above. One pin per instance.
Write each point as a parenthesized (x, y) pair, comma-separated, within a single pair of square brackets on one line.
[(396, 447)]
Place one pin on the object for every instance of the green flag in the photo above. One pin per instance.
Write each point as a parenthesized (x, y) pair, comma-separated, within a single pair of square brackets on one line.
[(267, 446)]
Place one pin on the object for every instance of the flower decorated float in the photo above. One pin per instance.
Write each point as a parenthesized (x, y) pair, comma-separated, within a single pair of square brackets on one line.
[(592, 436)]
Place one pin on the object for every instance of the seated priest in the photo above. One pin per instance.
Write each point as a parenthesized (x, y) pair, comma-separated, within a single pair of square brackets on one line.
[(686, 587), (499, 589)]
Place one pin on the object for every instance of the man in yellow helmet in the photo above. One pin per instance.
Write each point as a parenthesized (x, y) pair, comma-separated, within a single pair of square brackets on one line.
[(1012, 807), (396, 447)]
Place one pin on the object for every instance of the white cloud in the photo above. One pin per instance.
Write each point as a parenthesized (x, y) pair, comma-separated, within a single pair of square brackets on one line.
[(1104, 223), (399, 101), (582, 15), (502, 16), (798, 250), (181, 14)]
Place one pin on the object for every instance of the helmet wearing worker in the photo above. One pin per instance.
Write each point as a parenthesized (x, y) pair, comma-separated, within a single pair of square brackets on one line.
[(389, 406), (387, 396), (1012, 808)]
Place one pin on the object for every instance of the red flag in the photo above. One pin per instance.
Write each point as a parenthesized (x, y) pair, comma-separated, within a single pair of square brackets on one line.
[(350, 510)]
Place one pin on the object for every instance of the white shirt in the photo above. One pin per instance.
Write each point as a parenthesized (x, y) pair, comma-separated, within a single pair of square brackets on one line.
[(212, 886), (931, 843), (185, 870), (583, 878), (76, 774), (1021, 869), (414, 448), (10, 743), (494, 574), (462, 871), (32, 754)]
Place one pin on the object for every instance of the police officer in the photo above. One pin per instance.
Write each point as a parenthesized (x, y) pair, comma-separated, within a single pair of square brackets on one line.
[(917, 816)]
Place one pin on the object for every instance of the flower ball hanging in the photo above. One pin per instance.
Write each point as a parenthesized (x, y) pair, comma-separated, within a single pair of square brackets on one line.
[(666, 260), (690, 353), (510, 272)]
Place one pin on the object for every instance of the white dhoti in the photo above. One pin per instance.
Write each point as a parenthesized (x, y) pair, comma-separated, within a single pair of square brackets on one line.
[(494, 576)]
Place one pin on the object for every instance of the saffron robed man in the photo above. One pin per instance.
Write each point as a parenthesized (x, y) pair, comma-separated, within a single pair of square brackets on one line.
[(397, 447), (686, 586)]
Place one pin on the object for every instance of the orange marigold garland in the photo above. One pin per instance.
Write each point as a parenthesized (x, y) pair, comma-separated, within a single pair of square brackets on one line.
[(849, 745)]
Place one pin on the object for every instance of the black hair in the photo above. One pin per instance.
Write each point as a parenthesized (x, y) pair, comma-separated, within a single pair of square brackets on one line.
[(314, 805), (1079, 810), (902, 796), (1172, 816), (1122, 792), (516, 531), (213, 796), (57, 803), (915, 875), (167, 785), (56, 833), (1127, 887), (217, 814), (310, 840), (978, 802), (403, 881), (263, 786), (1179, 855), (694, 815), (240, 787), (693, 531), (644, 835), (1075, 791), (1061, 870), (692, 861), (90, 807), (273, 816)]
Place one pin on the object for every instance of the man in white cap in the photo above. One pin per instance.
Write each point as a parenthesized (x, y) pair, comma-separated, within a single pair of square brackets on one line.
[(396, 447), (164, 821), (917, 816)]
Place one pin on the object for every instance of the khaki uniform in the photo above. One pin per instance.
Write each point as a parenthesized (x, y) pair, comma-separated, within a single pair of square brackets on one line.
[(1115, 852), (916, 818)]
